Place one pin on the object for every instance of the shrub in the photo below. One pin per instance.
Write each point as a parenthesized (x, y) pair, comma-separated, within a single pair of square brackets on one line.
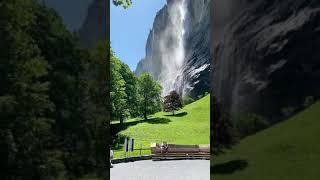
[(288, 111), (187, 100), (248, 124), (309, 100)]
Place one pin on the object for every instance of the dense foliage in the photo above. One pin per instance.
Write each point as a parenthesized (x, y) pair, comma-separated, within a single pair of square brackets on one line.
[(124, 90), (149, 92), (124, 3), (132, 96), (53, 100), (172, 102)]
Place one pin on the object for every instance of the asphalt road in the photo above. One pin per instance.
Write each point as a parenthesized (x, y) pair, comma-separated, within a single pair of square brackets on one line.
[(162, 170)]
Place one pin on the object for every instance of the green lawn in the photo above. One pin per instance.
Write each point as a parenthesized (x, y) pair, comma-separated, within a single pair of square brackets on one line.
[(286, 151), (191, 125)]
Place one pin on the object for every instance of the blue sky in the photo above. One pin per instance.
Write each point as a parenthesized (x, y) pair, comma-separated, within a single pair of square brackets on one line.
[(130, 28)]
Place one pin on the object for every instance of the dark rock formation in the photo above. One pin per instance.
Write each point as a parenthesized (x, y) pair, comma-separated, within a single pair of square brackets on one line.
[(193, 78), (265, 54), (94, 29)]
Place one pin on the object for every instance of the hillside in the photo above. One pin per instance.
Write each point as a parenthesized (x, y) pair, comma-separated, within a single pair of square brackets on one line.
[(286, 151), (191, 125)]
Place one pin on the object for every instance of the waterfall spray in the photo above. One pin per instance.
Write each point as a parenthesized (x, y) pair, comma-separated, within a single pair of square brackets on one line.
[(172, 46)]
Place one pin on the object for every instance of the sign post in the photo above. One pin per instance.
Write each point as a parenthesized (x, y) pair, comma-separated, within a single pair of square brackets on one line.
[(132, 145), (140, 148), (126, 146)]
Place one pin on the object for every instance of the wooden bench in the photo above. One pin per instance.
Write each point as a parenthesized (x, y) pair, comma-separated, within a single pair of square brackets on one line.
[(178, 151)]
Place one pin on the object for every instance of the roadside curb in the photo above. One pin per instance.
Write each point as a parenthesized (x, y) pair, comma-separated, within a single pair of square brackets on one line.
[(131, 159)]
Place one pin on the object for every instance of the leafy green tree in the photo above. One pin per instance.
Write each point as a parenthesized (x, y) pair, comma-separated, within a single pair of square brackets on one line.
[(149, 92), (131, 89), (172, 102), (24, 96), (118, 90), (53, 97), (123, 3)]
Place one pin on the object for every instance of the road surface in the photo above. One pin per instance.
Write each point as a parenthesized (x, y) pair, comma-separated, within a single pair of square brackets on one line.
[(162, 170)]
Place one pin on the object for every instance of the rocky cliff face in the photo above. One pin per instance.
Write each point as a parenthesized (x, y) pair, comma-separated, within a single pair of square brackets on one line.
[(265, 54), (177, 49), (94, 29)]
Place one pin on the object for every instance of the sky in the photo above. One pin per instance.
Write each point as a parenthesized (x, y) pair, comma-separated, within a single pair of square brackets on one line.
[(129, 29)]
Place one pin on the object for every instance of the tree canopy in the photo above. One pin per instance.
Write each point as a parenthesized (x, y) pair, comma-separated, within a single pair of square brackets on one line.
[(149, 92), (172, 102), (124, 3), (53, 97)]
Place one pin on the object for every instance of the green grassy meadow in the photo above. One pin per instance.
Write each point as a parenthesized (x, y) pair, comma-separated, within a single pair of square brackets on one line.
[(287, 151), (190, 125)]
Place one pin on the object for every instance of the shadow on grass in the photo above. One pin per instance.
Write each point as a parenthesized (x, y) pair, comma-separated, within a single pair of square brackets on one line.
[(229, 167), (118, 141), (116, 128), (177, 115)]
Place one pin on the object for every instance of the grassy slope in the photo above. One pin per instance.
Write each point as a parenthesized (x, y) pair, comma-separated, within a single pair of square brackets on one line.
[(287, 151), (191, 125)]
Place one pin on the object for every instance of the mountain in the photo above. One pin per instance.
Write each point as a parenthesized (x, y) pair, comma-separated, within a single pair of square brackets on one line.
[(265, 55), (94, 28), (177, 48), (73, 12), (286, 151)]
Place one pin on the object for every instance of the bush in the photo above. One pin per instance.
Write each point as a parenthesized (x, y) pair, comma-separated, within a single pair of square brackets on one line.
[(248, 124), (187, 100), (288, 111), (200, 96), (309, 100)]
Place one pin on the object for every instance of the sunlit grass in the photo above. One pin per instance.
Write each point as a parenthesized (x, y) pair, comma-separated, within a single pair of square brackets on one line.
[(191, 125)]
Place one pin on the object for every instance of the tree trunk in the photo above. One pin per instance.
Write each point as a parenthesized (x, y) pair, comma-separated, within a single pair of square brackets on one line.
[(173, 113), (121, 120), (145, 116)]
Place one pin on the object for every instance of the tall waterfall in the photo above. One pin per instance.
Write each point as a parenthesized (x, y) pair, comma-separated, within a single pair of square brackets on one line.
[(177, 48), (172, 47)]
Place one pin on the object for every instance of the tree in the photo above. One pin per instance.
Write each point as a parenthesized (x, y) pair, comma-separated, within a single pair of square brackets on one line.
[(53, 95), (172, 102), (118, 94), (149, 92), (131, 89), (124, 3), (25, 103)]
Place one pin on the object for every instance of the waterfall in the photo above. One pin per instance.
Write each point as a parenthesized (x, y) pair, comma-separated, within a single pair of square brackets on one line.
[(172, 47)]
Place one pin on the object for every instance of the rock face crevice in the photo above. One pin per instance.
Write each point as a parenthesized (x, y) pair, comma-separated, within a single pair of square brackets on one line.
[(177, 48), (266, 54)]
